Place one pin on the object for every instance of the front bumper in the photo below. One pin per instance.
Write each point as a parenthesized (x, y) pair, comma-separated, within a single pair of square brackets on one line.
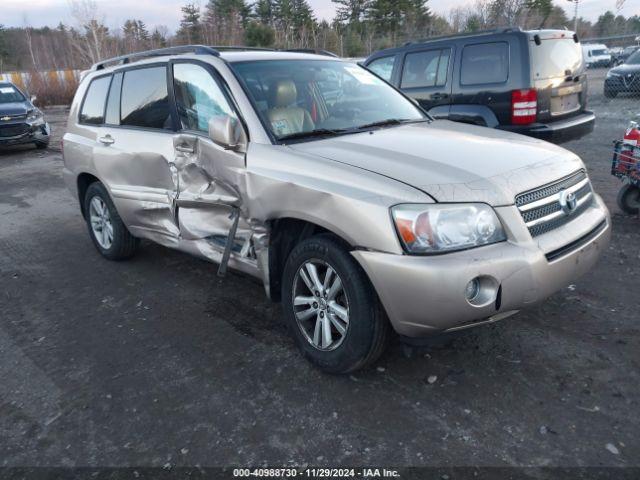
[(560, 131), (424, 295), (21, 133)]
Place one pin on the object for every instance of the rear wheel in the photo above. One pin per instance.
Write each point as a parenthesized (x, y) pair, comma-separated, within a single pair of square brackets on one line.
[(331, 307), (108, 232), (629, 199)]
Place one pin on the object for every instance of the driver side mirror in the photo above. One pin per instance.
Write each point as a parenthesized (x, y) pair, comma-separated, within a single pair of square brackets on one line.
[(227, 132), (33, 98)]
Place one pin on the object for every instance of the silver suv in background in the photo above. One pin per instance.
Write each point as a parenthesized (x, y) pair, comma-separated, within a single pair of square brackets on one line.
[(353, 207)]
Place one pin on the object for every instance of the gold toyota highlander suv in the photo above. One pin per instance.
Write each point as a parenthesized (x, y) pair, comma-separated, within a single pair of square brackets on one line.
[(354, 208)]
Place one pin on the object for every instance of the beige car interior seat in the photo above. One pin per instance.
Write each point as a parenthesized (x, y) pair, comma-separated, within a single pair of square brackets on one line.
[(286, 118)]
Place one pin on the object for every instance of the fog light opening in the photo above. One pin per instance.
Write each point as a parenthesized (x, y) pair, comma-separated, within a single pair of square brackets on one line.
[(482, 291), (473, 289)]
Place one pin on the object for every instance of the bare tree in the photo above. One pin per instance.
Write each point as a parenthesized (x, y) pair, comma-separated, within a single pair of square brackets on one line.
[(90, 41)]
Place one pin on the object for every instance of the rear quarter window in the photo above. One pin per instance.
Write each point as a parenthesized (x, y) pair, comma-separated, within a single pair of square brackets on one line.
[(145, 99), (485, 63), (92, 112)]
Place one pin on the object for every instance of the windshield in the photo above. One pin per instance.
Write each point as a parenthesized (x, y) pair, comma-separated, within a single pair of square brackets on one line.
[(598, 53), (555, 57), (634, 59), (9, 94), (305, 98)]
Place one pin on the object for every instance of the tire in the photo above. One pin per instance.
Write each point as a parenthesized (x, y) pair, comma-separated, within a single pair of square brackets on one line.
[(123, 245), (368, 328), (610, 93), (41, 145), (629, 199)]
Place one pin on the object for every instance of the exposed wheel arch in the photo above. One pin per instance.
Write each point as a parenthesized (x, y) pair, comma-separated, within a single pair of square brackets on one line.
[(285, 234), (83, 182)]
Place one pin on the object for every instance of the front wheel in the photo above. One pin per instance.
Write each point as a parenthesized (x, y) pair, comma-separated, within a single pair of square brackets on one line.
[(629, 199), (331, 307), (109, 234)]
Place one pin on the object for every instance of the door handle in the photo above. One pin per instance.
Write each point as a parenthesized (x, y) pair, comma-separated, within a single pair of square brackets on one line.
[(106, 140), (184, 149)]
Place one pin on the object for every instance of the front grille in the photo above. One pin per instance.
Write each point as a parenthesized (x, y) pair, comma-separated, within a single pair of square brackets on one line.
[(13, 130), (12, 118), (631, 80), (541, 209)]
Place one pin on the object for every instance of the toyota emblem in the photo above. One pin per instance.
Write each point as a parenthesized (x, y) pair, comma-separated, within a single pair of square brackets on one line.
[(568, 202)]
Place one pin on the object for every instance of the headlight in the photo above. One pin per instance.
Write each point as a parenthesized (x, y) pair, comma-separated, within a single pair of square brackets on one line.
[(612, 74), (33, 115), (439, 228)]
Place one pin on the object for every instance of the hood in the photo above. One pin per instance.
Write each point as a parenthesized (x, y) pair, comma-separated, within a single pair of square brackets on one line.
[(625, 68), (14, 108), (452, 162)]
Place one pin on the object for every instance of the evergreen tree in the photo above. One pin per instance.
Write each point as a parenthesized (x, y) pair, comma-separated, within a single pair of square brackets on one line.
[(224, 21), (158, 39), (190, 30), (142, 33), (398, 18), (302, 14), (542, 8), (264, 11), (605, 26), (351, 11), (258, 34)]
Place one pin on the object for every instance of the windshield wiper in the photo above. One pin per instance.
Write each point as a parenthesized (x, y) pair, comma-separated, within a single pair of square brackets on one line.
[(390, 122), (318, 132)]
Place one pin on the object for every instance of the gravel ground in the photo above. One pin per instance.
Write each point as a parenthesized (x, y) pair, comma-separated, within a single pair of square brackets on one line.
[(156, 361)]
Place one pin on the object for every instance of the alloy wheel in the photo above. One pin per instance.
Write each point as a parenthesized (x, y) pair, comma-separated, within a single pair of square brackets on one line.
[(320, 305), (101, 222)]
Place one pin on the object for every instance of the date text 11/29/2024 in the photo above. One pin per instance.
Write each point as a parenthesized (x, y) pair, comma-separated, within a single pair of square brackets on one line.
[(315, 473)]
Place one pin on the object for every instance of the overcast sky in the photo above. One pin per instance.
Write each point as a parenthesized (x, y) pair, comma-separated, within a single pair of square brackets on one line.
[(167, 12)]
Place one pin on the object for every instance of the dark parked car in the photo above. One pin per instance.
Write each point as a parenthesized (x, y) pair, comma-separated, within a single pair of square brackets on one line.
[(20, 121), (623, 56), (528, 82), (624, 78)]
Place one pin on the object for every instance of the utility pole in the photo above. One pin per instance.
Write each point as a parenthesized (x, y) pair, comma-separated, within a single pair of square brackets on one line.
[(575, 15)]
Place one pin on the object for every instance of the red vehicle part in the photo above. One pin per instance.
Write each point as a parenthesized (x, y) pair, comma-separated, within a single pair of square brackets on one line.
[(628, 161)]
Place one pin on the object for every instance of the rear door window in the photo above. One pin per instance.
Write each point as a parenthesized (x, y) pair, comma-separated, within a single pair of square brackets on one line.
[(92, 112), (145, 99), (485, 63), (383, 67), (425, 69)]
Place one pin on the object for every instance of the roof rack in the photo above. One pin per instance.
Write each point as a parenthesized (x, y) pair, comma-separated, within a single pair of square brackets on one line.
[(124, 59), (310, 50), (198, 50), (221, 48), (468, 34)]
